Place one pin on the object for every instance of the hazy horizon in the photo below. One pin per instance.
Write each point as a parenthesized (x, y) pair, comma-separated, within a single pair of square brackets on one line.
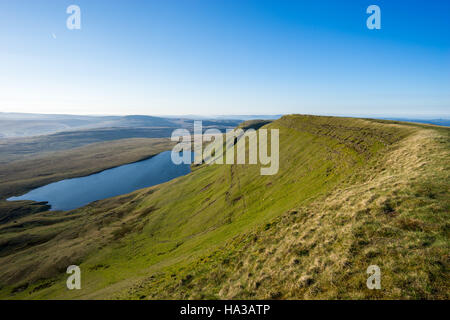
[(400, 115)]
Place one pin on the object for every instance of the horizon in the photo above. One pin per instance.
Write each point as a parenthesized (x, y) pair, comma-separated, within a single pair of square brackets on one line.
[(207, 116), (224, 57)]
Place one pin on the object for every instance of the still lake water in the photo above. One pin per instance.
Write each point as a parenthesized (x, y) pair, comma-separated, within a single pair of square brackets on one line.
[(74, 193)]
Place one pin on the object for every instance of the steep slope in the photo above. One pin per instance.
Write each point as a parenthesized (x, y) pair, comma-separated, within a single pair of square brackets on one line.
[(349, 193), (393, 213)]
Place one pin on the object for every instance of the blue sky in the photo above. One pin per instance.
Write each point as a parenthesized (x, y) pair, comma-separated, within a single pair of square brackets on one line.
[(225, 57)]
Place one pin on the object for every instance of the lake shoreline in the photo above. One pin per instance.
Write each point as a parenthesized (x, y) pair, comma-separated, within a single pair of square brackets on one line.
[(73, 193)]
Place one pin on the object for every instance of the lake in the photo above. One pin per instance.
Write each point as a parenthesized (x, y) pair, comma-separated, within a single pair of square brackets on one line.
[(77, 192)]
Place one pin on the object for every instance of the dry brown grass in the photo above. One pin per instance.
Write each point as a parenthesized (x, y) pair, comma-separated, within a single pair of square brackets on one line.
[(327, 246)]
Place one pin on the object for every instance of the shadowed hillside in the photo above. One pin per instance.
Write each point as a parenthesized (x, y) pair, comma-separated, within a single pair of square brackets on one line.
[(349, 193)]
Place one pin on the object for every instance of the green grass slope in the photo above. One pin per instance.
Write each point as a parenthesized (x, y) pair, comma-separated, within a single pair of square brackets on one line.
[(349, 193)]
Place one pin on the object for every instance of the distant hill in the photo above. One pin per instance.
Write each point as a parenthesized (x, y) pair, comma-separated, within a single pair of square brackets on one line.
[(25, 135), (143, 121), (14, 125), (232, 117), (350, 193), (438, 122)]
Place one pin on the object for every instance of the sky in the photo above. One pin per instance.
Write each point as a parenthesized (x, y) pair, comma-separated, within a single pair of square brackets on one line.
[(219, 57)]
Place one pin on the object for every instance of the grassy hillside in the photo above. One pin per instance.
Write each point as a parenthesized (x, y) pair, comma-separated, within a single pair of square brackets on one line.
[(349, 193)]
